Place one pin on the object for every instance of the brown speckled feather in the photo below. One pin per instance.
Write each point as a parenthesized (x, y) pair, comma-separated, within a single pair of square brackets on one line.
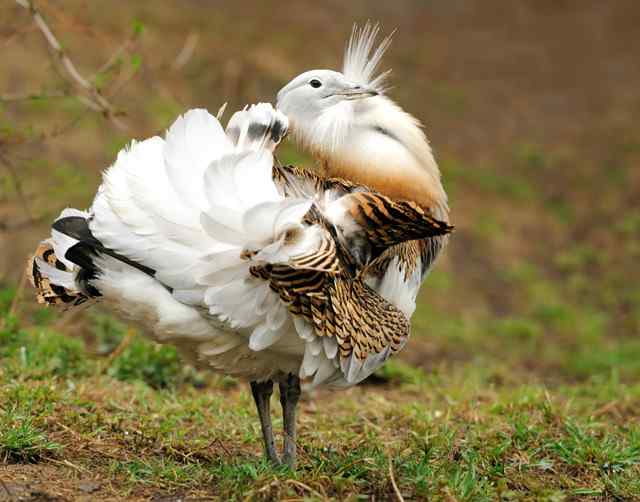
[(47, 293), (386, 222), (339, 304), (362, 321)]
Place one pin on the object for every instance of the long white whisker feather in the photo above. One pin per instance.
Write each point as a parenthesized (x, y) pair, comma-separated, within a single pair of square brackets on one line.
[(359, 62)]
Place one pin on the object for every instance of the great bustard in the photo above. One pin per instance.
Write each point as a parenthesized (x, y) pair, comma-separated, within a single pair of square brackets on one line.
[(256, 270)]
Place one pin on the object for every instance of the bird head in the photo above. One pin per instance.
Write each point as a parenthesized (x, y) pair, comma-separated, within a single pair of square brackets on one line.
[(357, 132), (322, 105), (310, 95)]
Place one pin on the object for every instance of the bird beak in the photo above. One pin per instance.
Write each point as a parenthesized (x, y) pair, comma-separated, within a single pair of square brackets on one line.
[(357, 91)]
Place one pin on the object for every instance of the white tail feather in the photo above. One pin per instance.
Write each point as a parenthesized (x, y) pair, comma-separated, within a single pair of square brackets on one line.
[(58, 277), (200, 208)]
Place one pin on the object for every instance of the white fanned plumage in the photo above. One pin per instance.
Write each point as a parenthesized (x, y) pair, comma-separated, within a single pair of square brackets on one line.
[(200, 208)]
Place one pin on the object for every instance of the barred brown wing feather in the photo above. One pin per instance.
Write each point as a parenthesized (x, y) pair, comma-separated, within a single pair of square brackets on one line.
[(323, 259), (362, 321), (302, 290), (298, 182), (383, 226), (386, 222), (339, 304)]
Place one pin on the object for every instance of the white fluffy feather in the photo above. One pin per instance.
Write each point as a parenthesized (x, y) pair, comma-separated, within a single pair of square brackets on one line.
[(194, 207)]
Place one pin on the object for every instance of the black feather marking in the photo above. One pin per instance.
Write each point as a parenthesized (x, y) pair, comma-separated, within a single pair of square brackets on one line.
[(47, 254), (277, 131), (386, 132), (84, 276), (233, 133), (257, 130), (82, 254), (66, 298), (58, 290), (35, 272), (78, 228)]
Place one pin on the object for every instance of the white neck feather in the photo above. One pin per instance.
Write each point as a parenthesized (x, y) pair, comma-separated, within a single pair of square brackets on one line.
[(376, 143)]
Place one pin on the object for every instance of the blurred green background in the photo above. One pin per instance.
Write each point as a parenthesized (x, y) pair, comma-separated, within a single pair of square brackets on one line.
[(531, 107)]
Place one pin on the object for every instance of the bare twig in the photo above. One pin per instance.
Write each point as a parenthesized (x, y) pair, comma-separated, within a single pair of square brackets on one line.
[(61, 129), (221, 444), (125, 47), (94, 99), (31, 96), (396, 490), (114, 58), (185, 54), (306, 488), (121, 82), (609, 407), (67, 463), (89, 103), (54, 44)]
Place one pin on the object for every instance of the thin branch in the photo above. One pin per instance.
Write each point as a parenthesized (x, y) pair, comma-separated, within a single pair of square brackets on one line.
[(89, 103), (189, 47), (126, 46), (121, 82), (32, 96), (307, 488), (61, 129), (22, 139), (94, 100)]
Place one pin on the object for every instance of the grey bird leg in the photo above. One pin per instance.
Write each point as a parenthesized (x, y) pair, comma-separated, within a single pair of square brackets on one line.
[(289, 395), (262, 395)]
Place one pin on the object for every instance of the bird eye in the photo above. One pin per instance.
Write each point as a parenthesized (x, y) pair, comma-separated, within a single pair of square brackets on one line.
[(315, 83)]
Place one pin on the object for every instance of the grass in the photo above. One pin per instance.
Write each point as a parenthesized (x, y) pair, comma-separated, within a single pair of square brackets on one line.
[(153, 427)]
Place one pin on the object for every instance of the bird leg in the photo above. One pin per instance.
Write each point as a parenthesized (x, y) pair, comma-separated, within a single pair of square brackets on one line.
[(262, 396), (289, 395)]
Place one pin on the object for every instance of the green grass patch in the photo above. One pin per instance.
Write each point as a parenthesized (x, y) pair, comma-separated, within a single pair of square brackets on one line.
[(535, 405)]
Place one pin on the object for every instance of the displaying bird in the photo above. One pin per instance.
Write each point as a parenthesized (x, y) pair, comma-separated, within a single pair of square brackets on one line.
[(257, 270)]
